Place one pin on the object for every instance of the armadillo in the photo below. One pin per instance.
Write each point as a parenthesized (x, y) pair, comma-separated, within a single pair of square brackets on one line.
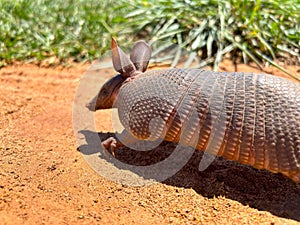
[(250, 118)]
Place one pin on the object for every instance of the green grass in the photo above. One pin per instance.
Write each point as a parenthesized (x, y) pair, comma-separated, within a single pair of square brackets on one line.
[(261, 31), (39, 29)]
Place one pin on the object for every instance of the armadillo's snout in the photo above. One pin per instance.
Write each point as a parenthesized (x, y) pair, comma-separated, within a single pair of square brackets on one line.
[(91, 105)]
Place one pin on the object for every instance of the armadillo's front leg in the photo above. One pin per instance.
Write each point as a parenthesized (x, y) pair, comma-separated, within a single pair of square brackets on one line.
[(113, 143)]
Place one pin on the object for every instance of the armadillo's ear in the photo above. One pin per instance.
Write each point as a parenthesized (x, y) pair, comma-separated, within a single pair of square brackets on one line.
[(140, 55), (121, 62)]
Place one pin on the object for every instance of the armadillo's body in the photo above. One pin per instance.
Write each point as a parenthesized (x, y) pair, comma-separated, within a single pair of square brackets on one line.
[(253, 119)]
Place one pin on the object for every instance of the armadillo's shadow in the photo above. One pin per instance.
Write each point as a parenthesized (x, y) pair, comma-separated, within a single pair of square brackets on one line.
[(258, 189)]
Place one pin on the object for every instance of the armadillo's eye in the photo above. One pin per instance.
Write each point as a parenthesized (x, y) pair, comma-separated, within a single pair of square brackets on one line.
[(104, 92)]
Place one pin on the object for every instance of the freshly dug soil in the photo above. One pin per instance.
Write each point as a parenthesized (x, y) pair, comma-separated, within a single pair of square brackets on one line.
[(44, 179)]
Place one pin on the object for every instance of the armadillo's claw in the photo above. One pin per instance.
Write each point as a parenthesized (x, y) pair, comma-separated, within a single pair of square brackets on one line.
[(110, 145)]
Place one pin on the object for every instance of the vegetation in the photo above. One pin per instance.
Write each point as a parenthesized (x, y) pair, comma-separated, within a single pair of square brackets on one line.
[(39, 29), (261, 30)]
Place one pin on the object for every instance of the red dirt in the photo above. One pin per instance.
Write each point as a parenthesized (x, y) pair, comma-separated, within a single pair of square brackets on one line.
[(45, 180)]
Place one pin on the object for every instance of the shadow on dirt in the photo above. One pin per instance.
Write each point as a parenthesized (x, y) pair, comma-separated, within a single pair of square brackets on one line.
[(259, 189)]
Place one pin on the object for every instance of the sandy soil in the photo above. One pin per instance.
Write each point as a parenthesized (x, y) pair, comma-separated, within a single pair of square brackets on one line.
[(45, 180)]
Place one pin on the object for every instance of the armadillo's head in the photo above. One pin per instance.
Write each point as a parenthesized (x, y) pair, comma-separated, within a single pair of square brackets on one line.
[(127, 68), (107, 94)]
